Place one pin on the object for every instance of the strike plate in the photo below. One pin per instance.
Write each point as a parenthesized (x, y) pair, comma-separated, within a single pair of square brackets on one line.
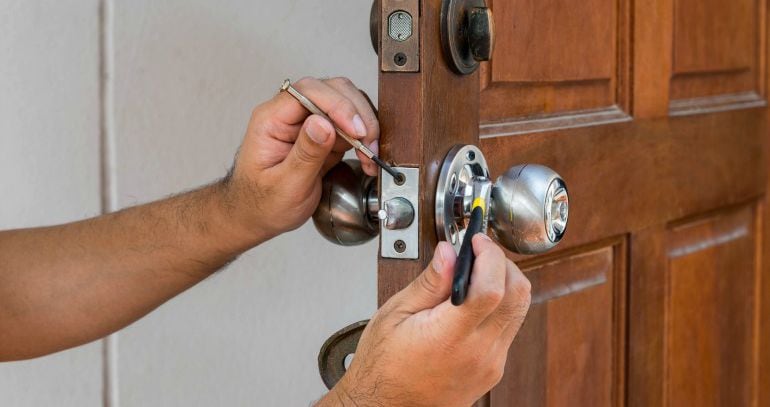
[(400, 35), (402, 243)]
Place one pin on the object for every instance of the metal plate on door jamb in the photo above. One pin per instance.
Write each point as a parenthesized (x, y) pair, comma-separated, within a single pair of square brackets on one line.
[(403, 243)]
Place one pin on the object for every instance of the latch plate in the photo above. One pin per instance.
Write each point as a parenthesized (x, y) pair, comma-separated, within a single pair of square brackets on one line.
[(400, 53), (401, 243)]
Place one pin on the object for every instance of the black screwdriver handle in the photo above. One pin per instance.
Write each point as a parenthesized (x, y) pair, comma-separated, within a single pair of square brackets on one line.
[(466, 257)]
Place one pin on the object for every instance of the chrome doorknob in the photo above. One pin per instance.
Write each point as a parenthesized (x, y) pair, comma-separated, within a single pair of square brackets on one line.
[(347, 212), (527, 209)]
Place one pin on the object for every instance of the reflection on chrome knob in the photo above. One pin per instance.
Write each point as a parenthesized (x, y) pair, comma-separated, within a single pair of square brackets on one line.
[(349, 198), (529, 209)]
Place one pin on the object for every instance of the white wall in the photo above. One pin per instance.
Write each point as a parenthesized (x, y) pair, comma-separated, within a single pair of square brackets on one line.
[(49, 162), (184, 77)]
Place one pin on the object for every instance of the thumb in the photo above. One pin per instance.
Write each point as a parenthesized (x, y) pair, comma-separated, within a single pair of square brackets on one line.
[(433, 286), (314, 143)]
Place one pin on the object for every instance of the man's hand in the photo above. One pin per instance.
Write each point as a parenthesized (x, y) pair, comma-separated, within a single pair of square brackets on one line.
[(66, 285), (276, 183), (420, 350)]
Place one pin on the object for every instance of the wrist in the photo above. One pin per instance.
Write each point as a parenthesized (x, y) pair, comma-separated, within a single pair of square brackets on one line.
[(236, 212)]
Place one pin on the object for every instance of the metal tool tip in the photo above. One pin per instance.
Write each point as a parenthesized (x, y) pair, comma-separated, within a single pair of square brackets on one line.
[(286, 85)]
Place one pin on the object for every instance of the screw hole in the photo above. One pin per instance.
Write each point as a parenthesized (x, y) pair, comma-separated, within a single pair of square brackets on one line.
[(470, 156), (400, 59)]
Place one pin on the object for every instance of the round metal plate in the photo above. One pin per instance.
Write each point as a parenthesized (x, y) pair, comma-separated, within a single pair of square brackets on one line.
[(374, 26), (331, 359), (454, 16), (454, 192)]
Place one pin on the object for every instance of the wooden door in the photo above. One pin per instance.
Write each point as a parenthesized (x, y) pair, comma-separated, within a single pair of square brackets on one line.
[(654, 113)]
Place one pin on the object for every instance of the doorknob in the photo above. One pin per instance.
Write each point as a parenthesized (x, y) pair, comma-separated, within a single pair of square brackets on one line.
[(467, 34), (347, 212), (527, 207)]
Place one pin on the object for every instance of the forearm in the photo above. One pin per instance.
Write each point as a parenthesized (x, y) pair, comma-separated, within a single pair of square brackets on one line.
[(67, 285)]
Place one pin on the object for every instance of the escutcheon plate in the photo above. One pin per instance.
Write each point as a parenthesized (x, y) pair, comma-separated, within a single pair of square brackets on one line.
[(454, 192)]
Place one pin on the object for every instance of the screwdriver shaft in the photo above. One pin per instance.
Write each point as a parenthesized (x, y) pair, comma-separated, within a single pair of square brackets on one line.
[(358, 145)]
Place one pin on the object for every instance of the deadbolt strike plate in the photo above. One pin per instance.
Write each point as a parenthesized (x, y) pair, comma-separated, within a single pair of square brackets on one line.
[(400, 35), (401, 243)]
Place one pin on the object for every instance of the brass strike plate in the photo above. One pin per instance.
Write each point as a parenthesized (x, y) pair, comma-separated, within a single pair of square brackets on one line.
[(400, 35)]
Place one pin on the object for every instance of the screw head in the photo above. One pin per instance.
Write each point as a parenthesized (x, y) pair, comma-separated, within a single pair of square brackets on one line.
[(400, 246), (400, 59)]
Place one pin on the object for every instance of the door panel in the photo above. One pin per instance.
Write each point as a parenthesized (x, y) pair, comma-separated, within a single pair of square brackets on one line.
[(716, 47), (571, 61), (654, 113), (711, 306), (569, 350)]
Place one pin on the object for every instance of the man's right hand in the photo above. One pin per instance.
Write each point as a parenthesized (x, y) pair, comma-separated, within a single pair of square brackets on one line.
[(420, 350)]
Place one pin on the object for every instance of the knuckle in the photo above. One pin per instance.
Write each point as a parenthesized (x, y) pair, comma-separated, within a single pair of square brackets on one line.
[(426, 283), (491, 297), (341, 81), (304, 81), (523, 290), (372, 123), (305, 156), (495, 373), (342, 108)]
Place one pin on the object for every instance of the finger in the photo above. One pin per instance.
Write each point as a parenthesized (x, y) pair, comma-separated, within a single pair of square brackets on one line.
[(367, 116), (514, 306), (334, 104), (433, 286), (307, 157)]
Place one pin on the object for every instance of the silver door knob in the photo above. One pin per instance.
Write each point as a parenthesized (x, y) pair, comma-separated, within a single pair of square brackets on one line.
[(527, 210), (347, 212)]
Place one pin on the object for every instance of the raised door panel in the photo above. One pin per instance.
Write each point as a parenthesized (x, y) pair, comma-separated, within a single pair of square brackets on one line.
[(717, 54), (711, 311), (569, 350), (553, 57)]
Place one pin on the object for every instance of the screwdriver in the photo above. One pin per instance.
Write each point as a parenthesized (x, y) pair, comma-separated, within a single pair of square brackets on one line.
[(466, 257), (309, 105)]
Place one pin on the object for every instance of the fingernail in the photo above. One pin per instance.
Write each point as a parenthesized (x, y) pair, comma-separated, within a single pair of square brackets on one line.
[(317, 131), (375, 147), (359, 125), (485, 237)]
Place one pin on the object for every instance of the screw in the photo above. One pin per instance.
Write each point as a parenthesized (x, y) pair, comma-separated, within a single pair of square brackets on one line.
[(400, 59), (400, 179), (400, 246)]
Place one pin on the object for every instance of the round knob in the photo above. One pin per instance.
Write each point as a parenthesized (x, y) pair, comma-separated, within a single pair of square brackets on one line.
[(343, 215), (529, 209), (467, 34), (481, 33)]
